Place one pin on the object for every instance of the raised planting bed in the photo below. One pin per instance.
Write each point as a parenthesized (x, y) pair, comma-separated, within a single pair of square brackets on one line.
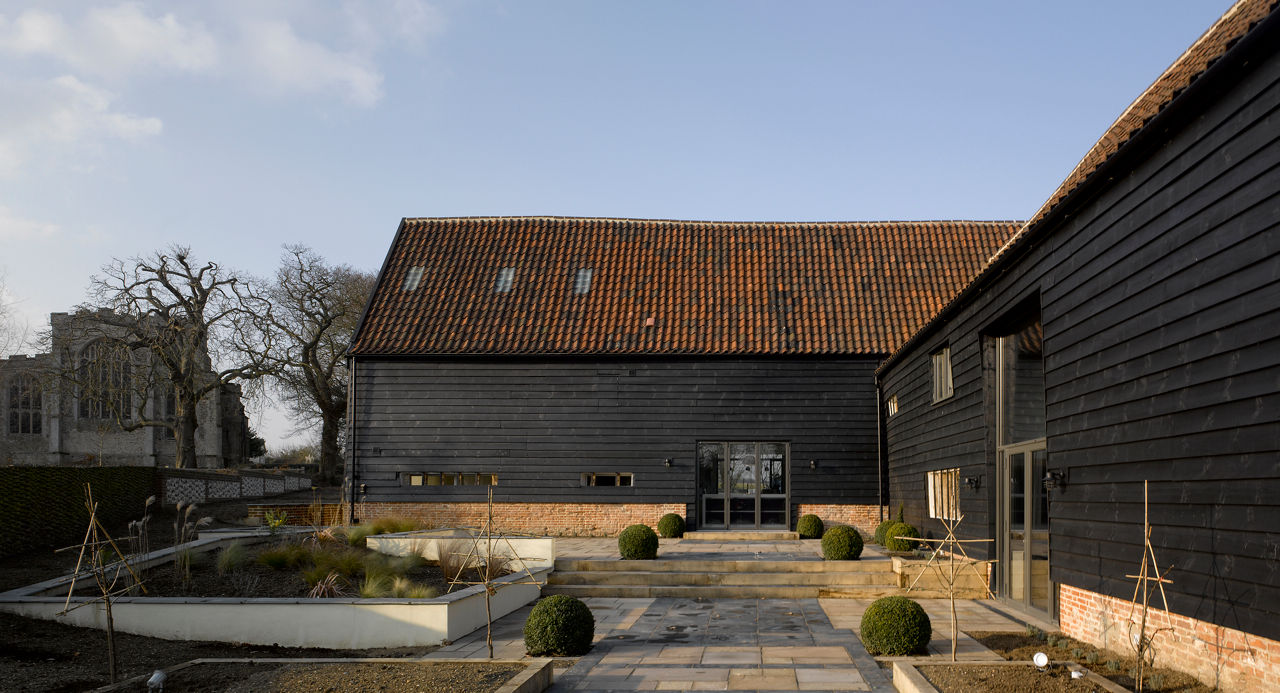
[(345, 619), (1116, 667), (389, 675), (995, 677)]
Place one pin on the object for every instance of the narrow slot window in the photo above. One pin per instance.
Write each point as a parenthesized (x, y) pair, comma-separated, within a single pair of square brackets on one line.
[(506, 280), (892, 405), (412, 278), (942, 385), (582, 282)]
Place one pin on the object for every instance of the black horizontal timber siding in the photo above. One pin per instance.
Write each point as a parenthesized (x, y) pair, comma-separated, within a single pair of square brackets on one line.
[(1160, 303), (540, 424)]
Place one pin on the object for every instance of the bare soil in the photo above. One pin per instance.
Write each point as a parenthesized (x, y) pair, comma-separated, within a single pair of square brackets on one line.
[(415, 677), (1111, 665), (966, 678)]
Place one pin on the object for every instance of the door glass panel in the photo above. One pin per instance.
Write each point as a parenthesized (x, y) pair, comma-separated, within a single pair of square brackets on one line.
[(742, 511), (773, 468), (742, 468), (710, 473), (1017, 471), (1038, 536), (773, 511)]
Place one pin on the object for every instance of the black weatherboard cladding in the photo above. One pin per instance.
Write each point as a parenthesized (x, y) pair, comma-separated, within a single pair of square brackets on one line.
[(540, 424), (1160, 295)]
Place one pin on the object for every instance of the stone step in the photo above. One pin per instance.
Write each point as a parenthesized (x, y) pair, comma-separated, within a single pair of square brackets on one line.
[(734, 591), (706, 566), (618, 577), (744, 535)]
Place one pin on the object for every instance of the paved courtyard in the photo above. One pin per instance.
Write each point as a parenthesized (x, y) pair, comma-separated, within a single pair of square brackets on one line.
[(728, 644)]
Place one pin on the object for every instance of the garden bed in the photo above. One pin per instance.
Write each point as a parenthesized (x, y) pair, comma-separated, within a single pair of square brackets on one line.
[(1110, 665), (966, 677), (390, 676)]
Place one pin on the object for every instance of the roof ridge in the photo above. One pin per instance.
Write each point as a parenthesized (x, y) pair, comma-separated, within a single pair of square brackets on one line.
[(741, 222)]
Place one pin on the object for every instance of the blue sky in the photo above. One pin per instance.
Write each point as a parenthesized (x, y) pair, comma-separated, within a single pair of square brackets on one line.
[(237, 126)]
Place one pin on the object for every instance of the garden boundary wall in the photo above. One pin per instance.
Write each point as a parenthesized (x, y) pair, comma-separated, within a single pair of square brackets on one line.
[(208, 485)]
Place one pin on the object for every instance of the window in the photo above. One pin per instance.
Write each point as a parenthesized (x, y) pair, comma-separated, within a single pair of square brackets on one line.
[(104, 375), (892, 405), (944, 494), (606, 479), (506, 280), (448, 479), (942, 386), (25, 405), (412, 278), (582, 282)]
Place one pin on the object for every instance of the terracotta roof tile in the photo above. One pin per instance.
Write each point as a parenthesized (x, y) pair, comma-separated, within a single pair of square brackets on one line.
[(669, 287)]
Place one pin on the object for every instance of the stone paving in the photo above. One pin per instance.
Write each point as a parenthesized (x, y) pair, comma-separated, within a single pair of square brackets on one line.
[(725, 644)]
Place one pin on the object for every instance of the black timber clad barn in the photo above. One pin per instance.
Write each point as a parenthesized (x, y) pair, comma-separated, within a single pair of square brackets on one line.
[(1130, 332), (607, 371)]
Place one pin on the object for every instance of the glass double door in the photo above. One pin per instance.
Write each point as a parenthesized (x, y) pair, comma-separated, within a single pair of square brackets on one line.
[(742, 485), (1024, 526)]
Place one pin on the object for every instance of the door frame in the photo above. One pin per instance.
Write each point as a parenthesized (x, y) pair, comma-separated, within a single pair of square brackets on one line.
[(1004, 525), (726, 497)]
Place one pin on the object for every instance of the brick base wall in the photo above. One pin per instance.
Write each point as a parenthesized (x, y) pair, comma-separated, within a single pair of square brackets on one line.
[(556, 519), (301, 515), (1229, 659), (864, 517)]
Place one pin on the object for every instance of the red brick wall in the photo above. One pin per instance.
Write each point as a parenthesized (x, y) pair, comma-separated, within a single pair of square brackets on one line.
[(1223, 657), (557, 519), (299, 514), (864, 517)]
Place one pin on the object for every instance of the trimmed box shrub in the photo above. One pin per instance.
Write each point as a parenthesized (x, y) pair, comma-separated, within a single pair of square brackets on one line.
[(895, 626), (881, 529), (900, 529), (671, 526), (559, 626), (638, 543), (841, 543), (809, 527)]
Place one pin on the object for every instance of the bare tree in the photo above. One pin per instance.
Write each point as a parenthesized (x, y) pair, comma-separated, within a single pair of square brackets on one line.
[(13, 330), (173, 330), (316, 308)]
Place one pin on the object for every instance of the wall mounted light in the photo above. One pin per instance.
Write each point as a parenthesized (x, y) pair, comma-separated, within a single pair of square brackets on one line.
[(813, 464), (364, 488), (973, 483), (667, 462), (1055, 479)]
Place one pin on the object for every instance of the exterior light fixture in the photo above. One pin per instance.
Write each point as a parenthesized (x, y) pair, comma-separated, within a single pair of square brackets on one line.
[(1055, 479), (667, 462), (813, 464), (973, 482), (1041, 660)]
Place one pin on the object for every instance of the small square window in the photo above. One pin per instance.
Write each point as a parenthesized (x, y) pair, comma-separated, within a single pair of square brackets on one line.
[(467, 479), (488, 479), (506, 280), (433, 479), (415, 479), (448, 479), (582, 282), (412, 278), (942, 385), (892, 405)]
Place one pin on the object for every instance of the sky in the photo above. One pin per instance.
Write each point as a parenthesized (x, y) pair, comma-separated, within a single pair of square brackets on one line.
[(238, 126)]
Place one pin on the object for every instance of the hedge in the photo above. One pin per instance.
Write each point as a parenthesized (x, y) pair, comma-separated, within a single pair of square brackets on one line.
[(43, 507)]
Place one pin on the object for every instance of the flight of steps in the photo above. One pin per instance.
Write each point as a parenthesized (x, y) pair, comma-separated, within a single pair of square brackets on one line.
[(723, 579)]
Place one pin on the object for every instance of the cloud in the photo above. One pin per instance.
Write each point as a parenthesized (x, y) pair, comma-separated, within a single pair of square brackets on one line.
[(111, 41), (14, 228), (43, 119), (287, 61)]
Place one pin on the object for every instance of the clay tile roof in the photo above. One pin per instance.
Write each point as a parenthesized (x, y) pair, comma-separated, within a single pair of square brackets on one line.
[(668, 287)]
